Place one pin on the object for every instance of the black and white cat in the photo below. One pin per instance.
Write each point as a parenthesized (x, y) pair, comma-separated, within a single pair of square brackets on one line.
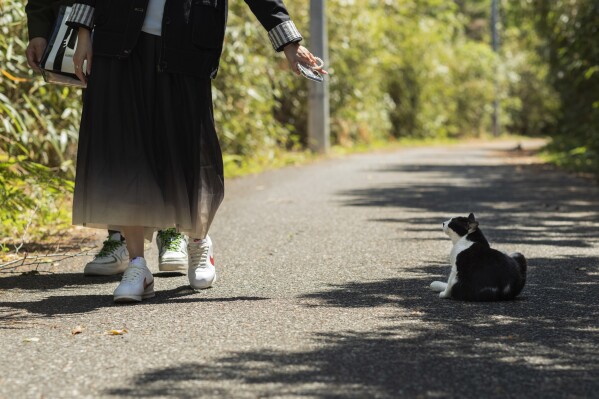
[(478, 272)]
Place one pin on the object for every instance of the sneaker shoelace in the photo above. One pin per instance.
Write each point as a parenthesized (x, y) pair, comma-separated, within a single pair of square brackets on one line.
[(198, 254), (171, 239), (132, 274), (108, 247)]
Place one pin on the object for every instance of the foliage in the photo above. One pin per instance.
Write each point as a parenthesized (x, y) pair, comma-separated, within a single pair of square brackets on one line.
[(440, 82), (566, 37), (38, 130), (245, 92)]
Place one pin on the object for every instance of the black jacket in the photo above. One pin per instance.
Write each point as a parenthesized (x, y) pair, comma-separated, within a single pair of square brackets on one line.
[(192, 30), (41, 16)]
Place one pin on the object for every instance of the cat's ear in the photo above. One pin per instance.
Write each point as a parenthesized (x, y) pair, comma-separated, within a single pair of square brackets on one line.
[(472, 226), (472, 223)]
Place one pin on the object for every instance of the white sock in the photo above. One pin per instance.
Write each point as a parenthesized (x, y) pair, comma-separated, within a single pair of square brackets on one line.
[(138, 261), (116, 237)]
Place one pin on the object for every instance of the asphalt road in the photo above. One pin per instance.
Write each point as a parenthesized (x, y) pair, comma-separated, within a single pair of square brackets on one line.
[(323, 293)]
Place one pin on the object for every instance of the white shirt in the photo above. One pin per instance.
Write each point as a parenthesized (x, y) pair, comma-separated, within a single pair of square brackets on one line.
[(153, 21)]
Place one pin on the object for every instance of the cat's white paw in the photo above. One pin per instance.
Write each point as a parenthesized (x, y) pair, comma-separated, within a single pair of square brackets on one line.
[(443, 295), (438, 286)]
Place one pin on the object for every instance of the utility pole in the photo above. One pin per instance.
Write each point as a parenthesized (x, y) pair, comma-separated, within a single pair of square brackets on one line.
[(495, 43), (318, 115)]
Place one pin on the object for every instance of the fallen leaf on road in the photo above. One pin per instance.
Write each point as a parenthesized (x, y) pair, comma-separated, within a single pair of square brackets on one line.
[(77, 330), (116, 332), (32, 339)]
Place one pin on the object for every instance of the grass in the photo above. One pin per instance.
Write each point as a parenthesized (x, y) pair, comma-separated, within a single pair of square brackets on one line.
[(237, 167), (576, 161)]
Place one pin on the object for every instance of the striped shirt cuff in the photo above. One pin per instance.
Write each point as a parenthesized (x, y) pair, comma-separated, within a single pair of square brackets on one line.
[(81, 15), (283, 34)]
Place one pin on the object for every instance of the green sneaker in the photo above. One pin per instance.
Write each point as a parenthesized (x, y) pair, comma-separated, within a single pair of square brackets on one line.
[(172, 251), (112, 259)]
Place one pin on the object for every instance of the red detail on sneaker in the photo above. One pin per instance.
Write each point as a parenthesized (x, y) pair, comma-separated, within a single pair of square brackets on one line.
[(212, 260), (146, 285)]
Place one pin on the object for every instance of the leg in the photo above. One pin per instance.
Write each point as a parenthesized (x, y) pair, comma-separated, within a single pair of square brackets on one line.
[(438, 286), (451, 281), (135, 241)]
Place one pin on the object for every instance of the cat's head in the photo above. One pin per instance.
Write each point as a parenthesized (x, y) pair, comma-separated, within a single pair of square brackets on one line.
[(458, 227)]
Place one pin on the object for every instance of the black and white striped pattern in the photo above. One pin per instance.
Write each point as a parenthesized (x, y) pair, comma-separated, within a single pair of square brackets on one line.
[(283, 34), (81, 15)]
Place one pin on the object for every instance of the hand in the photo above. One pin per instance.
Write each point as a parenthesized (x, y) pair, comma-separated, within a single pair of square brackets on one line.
[(83, 53), (296, 53), (34, 52)]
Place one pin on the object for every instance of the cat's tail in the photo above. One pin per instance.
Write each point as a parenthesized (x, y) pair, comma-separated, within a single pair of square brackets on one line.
[(523, 265)]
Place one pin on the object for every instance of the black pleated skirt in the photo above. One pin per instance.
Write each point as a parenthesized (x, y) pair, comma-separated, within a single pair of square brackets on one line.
[(148, 151)]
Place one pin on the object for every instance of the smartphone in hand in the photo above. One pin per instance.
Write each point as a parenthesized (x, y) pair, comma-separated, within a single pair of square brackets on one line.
[(309, 73)]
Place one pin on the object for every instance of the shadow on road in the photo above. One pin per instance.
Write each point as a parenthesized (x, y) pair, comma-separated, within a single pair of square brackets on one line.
[(515, 205), (12, 314), (543, 345), (43, 282)]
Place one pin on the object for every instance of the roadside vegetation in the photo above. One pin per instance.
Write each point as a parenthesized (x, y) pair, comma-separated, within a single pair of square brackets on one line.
[(400, 70)]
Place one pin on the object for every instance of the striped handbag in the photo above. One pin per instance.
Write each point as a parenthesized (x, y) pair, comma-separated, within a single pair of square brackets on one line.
[(57, 62)]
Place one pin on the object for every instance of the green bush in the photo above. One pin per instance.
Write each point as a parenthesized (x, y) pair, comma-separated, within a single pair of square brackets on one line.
[(439, 80), (38, 131), (565, 37)]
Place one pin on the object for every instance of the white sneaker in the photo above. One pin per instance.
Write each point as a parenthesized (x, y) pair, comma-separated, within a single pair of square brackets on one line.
[(137, 282), (172, 250), (113, 258), (201, 272)]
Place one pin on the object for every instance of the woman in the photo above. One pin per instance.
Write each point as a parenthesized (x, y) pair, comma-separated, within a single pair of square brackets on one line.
[(113, 257), (147, 119)]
